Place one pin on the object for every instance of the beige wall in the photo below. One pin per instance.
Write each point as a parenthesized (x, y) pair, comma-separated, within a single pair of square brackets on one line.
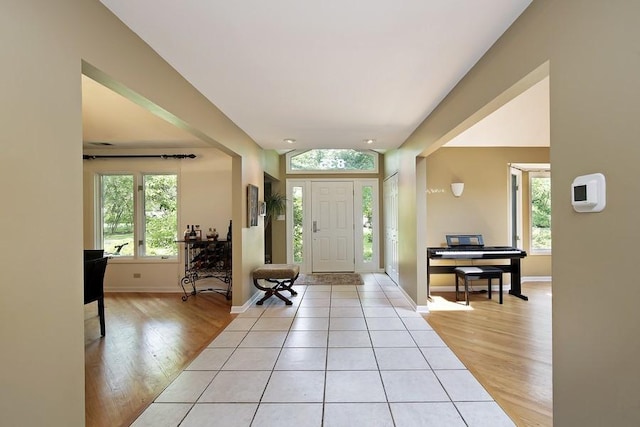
[(41, 309), (595, 100), (593, 65), (483, 208), (593, 59), (204, 199)]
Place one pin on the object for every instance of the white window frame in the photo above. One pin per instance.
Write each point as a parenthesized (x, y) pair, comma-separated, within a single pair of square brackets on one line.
[(518, 205), (139, 229), (532, 176), (358, 184), (361, 264)]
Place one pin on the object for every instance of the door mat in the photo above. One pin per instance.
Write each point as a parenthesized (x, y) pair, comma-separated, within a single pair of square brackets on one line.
[(330, 279)]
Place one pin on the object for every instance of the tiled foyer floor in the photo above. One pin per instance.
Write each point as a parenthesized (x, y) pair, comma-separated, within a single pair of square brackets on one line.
[(340, 356)]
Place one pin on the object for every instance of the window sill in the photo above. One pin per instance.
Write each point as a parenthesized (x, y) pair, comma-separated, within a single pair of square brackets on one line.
[(540, 252), (131, 260)]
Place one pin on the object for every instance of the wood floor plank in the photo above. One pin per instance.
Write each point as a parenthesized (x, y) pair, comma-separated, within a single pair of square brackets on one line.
[(507, 347), (150, 339)]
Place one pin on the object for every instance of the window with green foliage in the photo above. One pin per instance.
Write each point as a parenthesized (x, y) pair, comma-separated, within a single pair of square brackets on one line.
[(298, 219), (540, 191), (332, 160), (367, 221), (148, 216)]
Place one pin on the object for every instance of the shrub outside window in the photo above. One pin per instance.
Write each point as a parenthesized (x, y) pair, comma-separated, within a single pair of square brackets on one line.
[(540, 193), (147, 216)]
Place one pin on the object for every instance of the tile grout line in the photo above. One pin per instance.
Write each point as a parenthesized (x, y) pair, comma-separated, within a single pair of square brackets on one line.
[(281, 348)]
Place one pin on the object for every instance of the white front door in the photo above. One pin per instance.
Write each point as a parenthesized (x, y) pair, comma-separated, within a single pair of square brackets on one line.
[(332, 226)]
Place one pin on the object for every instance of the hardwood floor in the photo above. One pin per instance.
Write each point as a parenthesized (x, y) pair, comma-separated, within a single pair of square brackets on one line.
[(507, 347), (150, 339)]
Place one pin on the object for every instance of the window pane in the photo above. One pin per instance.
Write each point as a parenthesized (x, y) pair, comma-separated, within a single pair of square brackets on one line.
[(297, 225), (367, 219), (541, 213), (333, 160), (160, 215), (117, 214)]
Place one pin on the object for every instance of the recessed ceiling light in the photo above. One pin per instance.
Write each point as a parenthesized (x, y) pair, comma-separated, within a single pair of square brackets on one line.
[(289, 140), (369, 141)]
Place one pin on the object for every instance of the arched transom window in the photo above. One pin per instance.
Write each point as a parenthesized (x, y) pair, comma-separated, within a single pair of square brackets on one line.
[(332, 161)]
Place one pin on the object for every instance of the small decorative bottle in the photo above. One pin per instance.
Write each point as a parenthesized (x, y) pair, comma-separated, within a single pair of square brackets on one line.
[(192, 233), (229, 232), (187, 232), (215, 235)]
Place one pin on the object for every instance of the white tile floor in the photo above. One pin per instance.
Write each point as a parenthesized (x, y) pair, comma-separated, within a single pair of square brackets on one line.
[(340, 356)]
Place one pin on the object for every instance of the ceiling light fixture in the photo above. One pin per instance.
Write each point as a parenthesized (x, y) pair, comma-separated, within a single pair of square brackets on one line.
[(289, 140), (369, 141)]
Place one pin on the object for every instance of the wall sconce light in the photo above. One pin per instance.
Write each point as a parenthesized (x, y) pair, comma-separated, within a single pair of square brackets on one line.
[(457, 188)]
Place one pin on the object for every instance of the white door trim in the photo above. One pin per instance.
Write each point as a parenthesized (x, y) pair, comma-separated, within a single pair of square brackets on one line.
[(305, 187)]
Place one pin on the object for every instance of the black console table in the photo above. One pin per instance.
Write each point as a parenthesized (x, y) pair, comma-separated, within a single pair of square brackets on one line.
[(206, 259)]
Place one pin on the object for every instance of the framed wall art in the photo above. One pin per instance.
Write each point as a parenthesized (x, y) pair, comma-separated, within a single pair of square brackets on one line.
[(252, 205)]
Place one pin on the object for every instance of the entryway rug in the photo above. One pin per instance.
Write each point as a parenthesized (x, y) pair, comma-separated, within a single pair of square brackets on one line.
[(330, 279)]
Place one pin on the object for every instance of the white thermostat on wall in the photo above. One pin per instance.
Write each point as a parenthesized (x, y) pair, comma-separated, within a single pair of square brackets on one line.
[(589, 193)]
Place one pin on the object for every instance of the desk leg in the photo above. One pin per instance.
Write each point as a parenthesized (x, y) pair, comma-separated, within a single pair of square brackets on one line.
[(516, 287), (428, 280)]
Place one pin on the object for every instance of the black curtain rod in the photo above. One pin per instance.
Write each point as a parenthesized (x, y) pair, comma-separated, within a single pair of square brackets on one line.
[(139, 156)]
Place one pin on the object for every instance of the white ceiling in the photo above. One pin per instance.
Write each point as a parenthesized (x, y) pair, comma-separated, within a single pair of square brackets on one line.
[(524, 121), (110, 118), (328, 74)]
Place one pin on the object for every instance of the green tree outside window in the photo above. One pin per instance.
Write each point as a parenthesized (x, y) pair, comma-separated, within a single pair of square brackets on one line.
[(540, 212)]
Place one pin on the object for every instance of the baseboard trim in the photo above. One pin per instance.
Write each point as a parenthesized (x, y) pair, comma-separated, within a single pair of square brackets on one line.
[(143, 289), (536, 278), (422, 309), (237, 309)]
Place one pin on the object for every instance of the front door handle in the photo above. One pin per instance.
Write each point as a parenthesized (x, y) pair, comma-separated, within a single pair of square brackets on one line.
[(315, 226)]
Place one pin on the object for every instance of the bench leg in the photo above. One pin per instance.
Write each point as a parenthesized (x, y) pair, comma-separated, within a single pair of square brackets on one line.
[(101, 315), (279, 285), (466, 290), (490, 279), (288, 285)]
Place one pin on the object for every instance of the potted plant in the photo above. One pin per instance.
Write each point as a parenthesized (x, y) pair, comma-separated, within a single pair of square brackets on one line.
[(276, 204)]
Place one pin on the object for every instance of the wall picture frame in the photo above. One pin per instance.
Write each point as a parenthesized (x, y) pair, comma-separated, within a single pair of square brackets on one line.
[(252, 205)]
